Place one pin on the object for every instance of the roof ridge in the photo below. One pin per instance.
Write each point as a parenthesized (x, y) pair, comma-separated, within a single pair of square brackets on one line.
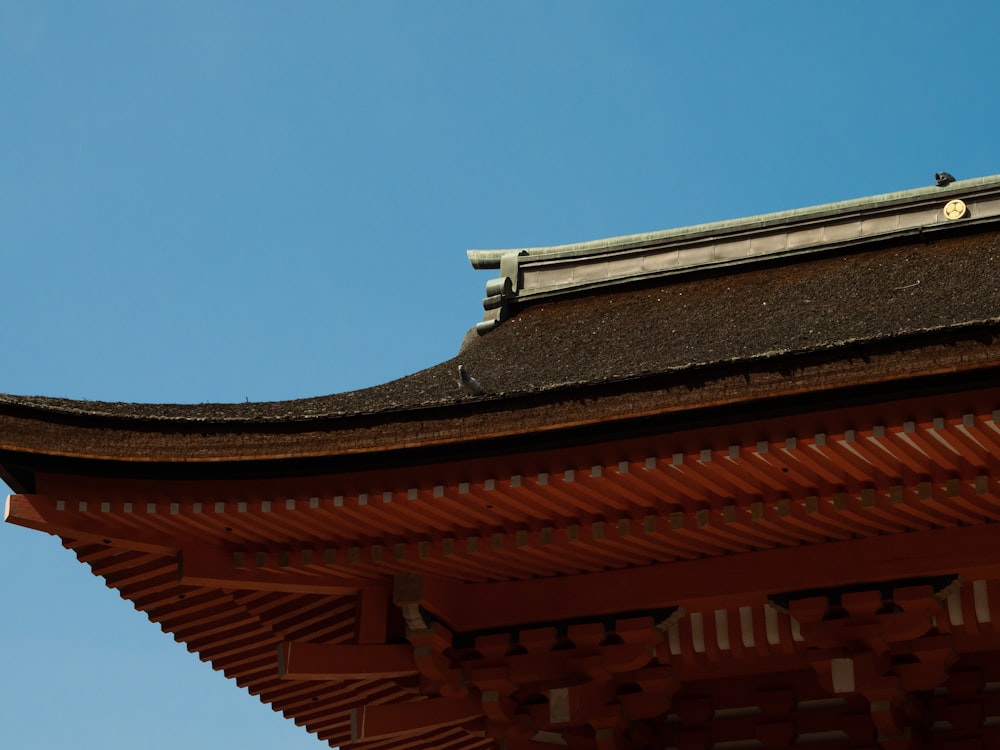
[(490, 258)]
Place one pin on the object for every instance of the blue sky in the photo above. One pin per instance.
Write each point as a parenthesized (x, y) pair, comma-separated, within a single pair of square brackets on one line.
[(221, 201)]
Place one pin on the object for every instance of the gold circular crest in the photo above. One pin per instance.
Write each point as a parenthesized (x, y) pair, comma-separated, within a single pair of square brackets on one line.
[(954, 210)]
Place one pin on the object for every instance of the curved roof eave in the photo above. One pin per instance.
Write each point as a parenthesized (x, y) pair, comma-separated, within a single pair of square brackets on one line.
[(587, 359)]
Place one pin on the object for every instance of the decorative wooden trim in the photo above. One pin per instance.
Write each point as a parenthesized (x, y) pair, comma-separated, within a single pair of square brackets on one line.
[(714, 582)]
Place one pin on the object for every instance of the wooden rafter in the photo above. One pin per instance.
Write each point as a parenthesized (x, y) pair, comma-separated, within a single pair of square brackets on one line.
[(230, 570), (317, 661), (43, 513), (381, 721)]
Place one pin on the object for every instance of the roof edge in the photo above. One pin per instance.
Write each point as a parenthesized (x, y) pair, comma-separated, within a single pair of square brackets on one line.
[(490, 259), (737, 395)]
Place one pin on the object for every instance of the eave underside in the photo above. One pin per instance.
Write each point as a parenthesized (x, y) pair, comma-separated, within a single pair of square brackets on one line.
[(731, 674), (652, 542)]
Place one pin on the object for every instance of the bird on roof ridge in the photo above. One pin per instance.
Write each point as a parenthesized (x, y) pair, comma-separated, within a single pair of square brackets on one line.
[(469, 384), (943, 179)]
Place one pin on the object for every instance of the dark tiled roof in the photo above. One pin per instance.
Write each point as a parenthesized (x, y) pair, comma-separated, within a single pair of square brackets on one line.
[(752, 315)]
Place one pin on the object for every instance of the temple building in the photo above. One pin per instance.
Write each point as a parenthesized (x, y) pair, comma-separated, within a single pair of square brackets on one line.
[(728, 486)]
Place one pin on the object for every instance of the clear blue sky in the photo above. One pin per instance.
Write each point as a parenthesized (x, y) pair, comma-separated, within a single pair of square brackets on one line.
[(220, 201)]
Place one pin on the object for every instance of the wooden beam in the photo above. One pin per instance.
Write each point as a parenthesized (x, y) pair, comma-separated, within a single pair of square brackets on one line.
[(710, 583), (394, 719), (217, 568), (317, 661), (372, 615), (42, 513)]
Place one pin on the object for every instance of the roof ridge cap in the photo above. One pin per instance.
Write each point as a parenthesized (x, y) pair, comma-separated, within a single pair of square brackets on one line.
[(487, 259)]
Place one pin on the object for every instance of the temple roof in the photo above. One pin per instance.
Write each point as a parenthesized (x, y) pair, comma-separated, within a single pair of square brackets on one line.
[(908, 278), (633, 524)]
